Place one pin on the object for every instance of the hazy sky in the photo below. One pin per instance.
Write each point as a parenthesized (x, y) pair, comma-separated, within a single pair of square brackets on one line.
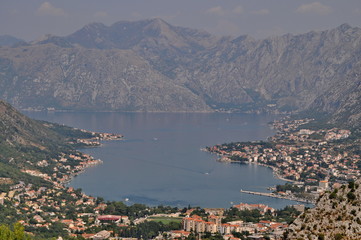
[(30, 19)]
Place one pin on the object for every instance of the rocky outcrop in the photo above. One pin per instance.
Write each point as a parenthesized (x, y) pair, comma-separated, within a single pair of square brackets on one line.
[(337, 215)]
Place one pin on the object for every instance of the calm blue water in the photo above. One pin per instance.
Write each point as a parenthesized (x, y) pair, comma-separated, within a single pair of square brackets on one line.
[(160, 161)]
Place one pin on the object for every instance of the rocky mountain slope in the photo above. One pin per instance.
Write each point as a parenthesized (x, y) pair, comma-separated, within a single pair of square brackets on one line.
[(76, 78), (151, 65), (7, 40), (24, 142), (342, 102), (337, 215), (20, 132), (31, 150)]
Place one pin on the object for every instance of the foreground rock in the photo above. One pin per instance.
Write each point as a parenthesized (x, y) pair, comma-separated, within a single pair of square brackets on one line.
[(337, 215)]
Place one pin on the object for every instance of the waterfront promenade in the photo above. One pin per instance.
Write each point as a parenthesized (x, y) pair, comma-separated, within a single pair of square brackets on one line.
[(278, 196)]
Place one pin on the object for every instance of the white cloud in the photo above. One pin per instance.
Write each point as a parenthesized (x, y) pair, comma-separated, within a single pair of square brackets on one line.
[(218, 10), (314, 8), (46, 9), (101, 14), (238, 10), (261, 12)]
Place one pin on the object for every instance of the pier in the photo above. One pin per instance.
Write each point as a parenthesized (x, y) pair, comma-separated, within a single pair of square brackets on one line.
[(278, 196)]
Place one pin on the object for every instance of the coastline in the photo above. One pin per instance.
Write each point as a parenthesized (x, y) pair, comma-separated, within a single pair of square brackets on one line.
[(276, 171), (236, 190), (88, 160)]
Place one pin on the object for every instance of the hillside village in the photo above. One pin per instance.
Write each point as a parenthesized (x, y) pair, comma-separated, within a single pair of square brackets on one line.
[(312, 160)]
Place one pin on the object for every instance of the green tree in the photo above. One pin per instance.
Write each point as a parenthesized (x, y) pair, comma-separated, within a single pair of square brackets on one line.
[(19, 231), (6, 233)]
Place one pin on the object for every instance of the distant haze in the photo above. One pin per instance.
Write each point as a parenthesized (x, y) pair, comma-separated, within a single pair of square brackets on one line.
[(30, 19)]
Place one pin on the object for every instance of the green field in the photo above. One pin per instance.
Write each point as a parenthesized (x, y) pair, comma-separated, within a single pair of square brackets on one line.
[(165, 220)]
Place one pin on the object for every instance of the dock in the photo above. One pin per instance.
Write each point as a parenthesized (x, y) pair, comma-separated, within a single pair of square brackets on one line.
[(292, 198)]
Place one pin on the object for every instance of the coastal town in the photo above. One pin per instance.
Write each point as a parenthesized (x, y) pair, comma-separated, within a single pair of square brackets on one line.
[(311, 161), (55, 210), (69, 212)]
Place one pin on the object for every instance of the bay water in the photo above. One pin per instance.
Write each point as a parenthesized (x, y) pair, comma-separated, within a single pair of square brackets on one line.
[(160, 161)]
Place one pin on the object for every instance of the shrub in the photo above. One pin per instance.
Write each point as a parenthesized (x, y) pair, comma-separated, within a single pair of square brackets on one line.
[(321, 236), (338, 236), (351, 196), (353, 212), (333, 195)]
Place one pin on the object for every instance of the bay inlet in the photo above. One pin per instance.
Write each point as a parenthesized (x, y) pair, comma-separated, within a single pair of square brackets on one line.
[(160, 159)]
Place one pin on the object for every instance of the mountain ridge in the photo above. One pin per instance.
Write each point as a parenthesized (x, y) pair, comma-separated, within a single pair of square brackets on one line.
[(8, 40), (182, 69)]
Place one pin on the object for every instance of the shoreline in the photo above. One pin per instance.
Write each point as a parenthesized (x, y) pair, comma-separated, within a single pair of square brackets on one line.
[(225, 159), (272, 195), (88, 160), (277, 174)]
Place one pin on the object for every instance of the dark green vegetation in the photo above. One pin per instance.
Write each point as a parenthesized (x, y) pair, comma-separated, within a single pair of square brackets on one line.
[(165, 220), (12, 172), (149, 229), (16, 232), (24, 142), (69, 133), (208, 236), (8, 214), (136, 210), (287, 214), (34, 145), (289, 187)]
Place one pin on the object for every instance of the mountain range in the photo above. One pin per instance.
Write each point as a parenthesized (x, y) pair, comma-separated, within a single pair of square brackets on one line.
[(151, 65)]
